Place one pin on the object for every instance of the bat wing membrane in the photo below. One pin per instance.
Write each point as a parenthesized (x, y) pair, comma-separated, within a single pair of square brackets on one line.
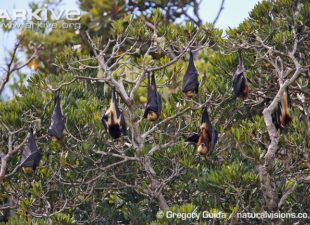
[(58, 121)]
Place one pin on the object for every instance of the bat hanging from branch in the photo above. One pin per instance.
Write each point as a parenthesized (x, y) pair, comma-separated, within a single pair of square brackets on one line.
[(154, 101), (113, 120), (57, 122), (190, 79), (205, 141), (281, 117), (31, 156), (240, 84)]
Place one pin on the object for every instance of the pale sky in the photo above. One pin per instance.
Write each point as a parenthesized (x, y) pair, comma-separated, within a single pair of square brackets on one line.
[(235, 11)]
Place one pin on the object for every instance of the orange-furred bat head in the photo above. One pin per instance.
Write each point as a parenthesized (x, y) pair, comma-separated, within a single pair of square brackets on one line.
[(152, 116), (58, 140), (202, 149), (189, 94), (28, 169)]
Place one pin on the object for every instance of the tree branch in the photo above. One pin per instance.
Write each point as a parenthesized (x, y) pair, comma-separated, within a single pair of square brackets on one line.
[(219, 12), (11, 67)]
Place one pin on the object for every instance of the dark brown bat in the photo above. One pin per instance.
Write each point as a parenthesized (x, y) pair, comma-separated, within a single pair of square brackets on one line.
[(154, 102), (113, 120), (205, 141), (57, 122), (31, 156), (240, 84), (190, 79), (281, 117)]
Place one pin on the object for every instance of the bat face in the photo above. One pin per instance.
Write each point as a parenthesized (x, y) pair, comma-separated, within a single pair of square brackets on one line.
[(114, 121), (190, 79), (190, 94), (27, 170), (58, 121), (152, 116), (31, 156), (202, 149), (154, 101)]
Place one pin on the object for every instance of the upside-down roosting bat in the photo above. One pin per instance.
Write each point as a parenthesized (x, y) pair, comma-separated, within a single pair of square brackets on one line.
[(240, 85), (281, 117), (205, 141), (113, 120), (57, 123), (190, 79), (8, 210), (154, 102), (30, 156)]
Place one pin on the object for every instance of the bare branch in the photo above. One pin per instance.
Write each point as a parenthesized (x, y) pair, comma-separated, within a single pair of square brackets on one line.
[(104, 169), (61, 85), (11, 152), (287, 194), (219, 12), (11, 67), (119, 88)]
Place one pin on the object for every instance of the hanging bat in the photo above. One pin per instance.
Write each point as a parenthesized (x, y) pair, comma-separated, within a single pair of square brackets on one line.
[(57, 123), (240, 85), (190, 79), (31, 156), (154, 102), (281, 117), (113, 120), (205, 141), (7, 212)]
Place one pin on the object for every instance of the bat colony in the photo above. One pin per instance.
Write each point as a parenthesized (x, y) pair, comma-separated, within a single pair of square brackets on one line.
[(114, 121)]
